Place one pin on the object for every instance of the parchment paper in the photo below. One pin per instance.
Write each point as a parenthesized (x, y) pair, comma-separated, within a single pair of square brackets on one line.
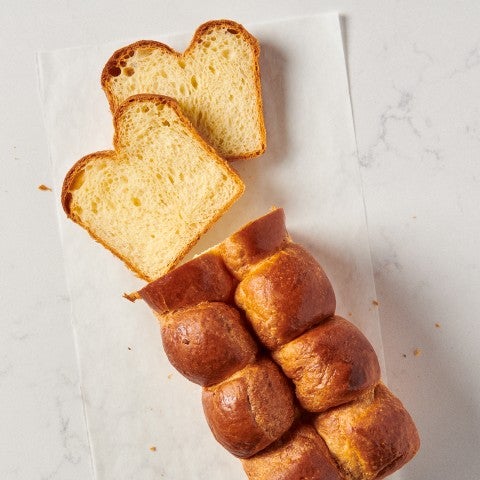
[(134, 400)]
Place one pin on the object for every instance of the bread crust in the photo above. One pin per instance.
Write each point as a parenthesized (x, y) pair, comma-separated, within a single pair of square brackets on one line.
[(254, 242), (330, 364), (71, 176), (127, 51), (207, 343), (81, 164), (299, 454), (381, 435), (251, 409), (285, 295), (203, 279), (363, 432), (66, 198)]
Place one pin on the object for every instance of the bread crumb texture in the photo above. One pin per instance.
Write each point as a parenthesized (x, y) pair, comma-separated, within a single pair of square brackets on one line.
[(152, 198), (216, 82)]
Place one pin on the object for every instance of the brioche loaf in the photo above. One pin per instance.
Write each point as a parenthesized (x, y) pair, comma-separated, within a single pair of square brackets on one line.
[(343, 423), (216, 82), (150, 199)]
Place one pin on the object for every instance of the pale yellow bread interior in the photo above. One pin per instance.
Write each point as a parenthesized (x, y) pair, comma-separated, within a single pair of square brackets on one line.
[(216, 81), (150, 199)]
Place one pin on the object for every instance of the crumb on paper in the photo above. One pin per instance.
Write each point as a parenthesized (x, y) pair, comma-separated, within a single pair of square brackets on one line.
[(131, 296), (129, 348), (170, 375), (417, 352), (404, 355), (349, 314), (437, 325), (375, 302), (414, 217), (153, 449), (44, 188)]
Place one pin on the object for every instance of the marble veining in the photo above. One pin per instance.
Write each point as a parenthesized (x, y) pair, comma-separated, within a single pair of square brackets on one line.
[(418, 151)]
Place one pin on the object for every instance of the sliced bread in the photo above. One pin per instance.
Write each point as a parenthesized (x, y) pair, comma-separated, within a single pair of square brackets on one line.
[(216, 81), (150, 199)]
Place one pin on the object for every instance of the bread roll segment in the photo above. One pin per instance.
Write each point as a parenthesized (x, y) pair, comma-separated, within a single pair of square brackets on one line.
[(330, 364), (301, 454), (251, 409), (370, 438), (256, 241), (203, 279), (285, 295), (207, 343)]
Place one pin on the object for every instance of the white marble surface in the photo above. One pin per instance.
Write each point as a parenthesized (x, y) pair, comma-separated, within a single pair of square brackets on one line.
[(414, 69)]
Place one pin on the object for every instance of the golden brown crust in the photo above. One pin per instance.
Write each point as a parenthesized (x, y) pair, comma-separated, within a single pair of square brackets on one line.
[(250, 410), (301, 454), (203, 279), (285, 295), (256, 241), (80, 165), (330, 361), (233, 27), (379, 431), (330, 364), (208, 342), (111, 69)]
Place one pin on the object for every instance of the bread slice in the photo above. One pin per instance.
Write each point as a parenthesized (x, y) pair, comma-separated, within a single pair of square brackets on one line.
[(150, 199), (216, 81)]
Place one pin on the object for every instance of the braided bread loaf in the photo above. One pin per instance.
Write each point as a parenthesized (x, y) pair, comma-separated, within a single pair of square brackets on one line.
[(290, 388)]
